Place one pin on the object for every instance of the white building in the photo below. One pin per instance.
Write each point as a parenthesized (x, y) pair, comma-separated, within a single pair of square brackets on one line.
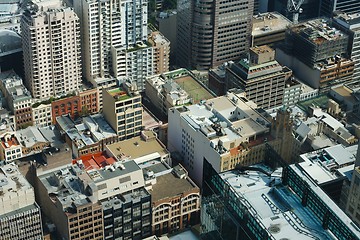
[(51, 48), (19, 214), (114, 34), (224, 130)]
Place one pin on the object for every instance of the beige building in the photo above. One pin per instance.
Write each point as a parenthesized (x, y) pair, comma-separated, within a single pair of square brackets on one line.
[(260, 76), (51, 49), (161, 51), (41, 114), (151, 147), (123, 110), (63, 198), (268, 29), (177, 207)]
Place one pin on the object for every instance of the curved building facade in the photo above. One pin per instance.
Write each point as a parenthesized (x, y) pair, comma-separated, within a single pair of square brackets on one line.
[(211, 32)]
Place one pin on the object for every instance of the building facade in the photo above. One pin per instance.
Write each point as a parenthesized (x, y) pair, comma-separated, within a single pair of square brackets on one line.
[(123, 111), (211, 32), (268, 29), (327, 7), (350, 23), (51, 47), (161, 48), (119, 47), (20, 216), (261, 77)]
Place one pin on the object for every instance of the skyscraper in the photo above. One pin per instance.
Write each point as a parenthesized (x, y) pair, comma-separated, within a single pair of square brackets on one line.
[(211, 32), (327, 7), (114, 39), (51, 47)]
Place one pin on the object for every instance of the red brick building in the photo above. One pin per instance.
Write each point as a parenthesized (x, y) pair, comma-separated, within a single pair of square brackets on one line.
[(70, 105)]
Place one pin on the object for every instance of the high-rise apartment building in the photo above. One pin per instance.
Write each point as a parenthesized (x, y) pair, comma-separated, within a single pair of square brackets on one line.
[(19, 214), (114, 37), (327, 7), (211, 32), (51, 48)]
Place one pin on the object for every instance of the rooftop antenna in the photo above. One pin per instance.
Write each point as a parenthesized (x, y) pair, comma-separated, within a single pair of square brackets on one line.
[(293, 6)]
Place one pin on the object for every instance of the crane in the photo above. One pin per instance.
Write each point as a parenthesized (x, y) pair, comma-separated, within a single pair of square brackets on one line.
[(294, 7)]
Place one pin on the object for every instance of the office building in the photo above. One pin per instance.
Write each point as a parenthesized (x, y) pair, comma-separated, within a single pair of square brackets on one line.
[(314, 41), (20, 216), (51, 48), (10, 147), (41, 114), (327, 7), (263, 203), (353, 197), (69, 105), (173, 208), (260, 76), (318, 54), (350, 23), (120, 47), (329, 168), (268, 29), (96, 197), (65, 198), (210, 33), (225, 131), (123, 110), (347, 96)]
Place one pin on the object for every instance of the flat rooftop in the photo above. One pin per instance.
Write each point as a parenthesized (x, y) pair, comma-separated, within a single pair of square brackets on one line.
[(195, 90), (274, 205), (169, 185), (327, 164), (265, 23), (138, 147)]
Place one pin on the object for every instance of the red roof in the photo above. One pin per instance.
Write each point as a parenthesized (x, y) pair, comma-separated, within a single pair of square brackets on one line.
[(95, 161)]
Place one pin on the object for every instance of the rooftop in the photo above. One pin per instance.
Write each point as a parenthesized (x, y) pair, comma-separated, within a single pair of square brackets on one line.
[(180, 84), (274, 205), (95, 161), (270, 22), (15, 190), (29, 136), (326, 165), (142, 146), (91, 130), (226, 119), (170, 185), (67, 186), (318, 31)]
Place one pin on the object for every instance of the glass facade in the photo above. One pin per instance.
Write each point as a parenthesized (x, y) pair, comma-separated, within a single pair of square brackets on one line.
[(223, 215), (309, 198)]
